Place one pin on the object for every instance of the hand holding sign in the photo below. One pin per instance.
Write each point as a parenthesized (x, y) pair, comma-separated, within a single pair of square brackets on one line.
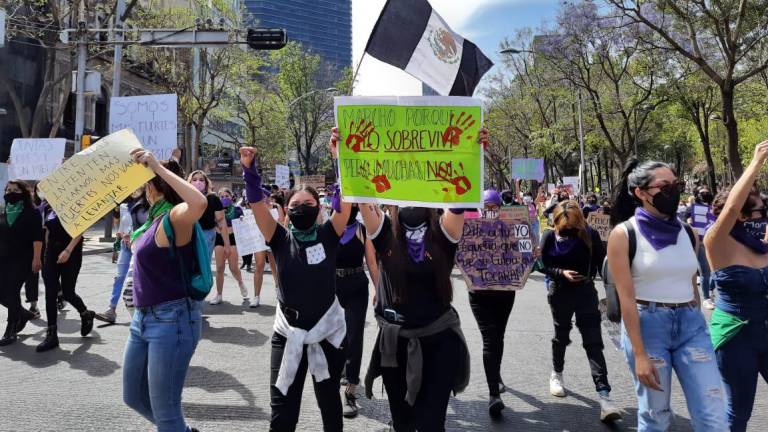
[(146, 158)]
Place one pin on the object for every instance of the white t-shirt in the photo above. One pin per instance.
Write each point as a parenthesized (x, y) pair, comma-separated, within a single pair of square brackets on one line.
[(663, 276)]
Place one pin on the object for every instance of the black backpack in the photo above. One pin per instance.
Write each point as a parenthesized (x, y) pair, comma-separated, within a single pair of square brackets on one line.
[(613, 306)]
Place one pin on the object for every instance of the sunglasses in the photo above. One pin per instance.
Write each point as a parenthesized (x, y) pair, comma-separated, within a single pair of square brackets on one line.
[(668, 188)]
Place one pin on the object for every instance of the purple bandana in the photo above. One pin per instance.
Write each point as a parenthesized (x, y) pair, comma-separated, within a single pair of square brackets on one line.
[(741, 235), (349, 233), (660, 233), (563, 245), (415, 237)]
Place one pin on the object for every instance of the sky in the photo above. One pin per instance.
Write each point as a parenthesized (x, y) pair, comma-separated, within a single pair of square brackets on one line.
[(484, 22)]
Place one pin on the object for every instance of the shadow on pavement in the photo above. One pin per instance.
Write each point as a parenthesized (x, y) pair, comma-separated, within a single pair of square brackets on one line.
[(219, 382), (233, 335), (94, 365)]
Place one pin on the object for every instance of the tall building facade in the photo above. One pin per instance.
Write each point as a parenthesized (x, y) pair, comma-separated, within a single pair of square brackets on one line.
[(322, 26)]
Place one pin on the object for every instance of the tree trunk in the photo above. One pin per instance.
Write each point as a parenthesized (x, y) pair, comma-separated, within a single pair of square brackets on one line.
[(731, 127)]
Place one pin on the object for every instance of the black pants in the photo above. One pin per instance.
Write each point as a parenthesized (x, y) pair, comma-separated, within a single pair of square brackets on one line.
[(352, 292), (491, 310), (31, 287), (248, 260), (581, 301), (442, 354), (61, 277), (285, 408), (12, 277)]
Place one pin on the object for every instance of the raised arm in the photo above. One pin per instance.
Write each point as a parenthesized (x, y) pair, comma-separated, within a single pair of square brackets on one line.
[(721, 229), (255, 194)]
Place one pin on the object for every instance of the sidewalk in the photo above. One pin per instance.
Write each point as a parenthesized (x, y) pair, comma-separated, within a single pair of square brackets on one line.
[(91, 241)]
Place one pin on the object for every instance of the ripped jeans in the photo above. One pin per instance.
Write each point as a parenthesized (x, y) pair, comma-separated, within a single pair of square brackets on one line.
[(678, 339)]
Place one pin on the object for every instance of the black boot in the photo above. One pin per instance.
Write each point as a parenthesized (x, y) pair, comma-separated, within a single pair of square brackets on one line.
[(9, 336), (86, 322), (25, 317), (51, 340)]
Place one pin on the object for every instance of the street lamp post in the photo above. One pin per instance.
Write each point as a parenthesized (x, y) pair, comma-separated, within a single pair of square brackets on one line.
[(288, 111)]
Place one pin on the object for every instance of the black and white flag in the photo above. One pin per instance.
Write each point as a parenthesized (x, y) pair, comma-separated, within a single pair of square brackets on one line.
[(412, 36)]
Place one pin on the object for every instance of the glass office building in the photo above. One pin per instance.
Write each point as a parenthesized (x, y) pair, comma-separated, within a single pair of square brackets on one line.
[(322, 26)]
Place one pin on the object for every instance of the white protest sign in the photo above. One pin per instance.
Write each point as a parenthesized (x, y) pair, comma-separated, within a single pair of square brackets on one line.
[(247, 235), (35, 158), (282, 176), (3, 179), (153, 119)]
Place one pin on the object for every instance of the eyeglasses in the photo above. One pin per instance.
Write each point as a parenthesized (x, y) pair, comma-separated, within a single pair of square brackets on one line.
[(668, 188)]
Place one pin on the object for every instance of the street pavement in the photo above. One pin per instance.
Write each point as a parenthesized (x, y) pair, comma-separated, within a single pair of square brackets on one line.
[(78, 387)]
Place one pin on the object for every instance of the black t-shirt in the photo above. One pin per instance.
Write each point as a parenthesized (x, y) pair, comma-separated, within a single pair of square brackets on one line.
[(16, 241), (422, 304), (351, 255), (307, 272), (577, 259), (208, 219), (58, 237)]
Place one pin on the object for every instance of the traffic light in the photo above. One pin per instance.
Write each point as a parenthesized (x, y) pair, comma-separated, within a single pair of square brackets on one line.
[(266, 39)]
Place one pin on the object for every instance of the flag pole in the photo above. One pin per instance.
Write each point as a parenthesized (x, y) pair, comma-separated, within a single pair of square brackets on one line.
[(357, 69)]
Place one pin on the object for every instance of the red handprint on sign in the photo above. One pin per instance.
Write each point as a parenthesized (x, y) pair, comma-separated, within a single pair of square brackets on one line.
[(382, 183), (453, 132), (358, 134), (460, 183)]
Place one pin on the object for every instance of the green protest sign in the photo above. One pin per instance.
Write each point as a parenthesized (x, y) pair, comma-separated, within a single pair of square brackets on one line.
[(420, 151)]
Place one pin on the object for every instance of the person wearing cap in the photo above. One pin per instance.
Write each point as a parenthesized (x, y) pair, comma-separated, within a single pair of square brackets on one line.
[(491, 310)]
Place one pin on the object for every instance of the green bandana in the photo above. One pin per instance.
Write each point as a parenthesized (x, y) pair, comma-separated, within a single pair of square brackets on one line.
[(309, 235), (229, 213), (723, 327), (158, 209), (12, 212)]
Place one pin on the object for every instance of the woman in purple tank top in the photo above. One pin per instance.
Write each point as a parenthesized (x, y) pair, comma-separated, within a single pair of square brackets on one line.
[(166, 325)]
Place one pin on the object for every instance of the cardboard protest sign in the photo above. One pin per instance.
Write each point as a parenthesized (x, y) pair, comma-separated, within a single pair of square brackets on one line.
[(528, 169), (93, 182), (282, 176), (247, 235), (419, 151), (35, 158), (755, 227), (601, 223), (496, 254), (153, 119), (315, 181), (3, 180)]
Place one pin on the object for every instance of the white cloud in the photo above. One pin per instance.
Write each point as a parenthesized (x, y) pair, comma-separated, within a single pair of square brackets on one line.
[(380, 79)]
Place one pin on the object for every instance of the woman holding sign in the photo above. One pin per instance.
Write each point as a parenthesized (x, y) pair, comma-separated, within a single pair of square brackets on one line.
[(309, 323), (572, 255), (167, 323), (21, 243), (416, 250)]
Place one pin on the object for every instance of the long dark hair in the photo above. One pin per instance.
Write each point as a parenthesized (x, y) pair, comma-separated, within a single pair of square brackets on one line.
[(396, 259), (26, 196), (302, 188), (164, 188), (635, 175)]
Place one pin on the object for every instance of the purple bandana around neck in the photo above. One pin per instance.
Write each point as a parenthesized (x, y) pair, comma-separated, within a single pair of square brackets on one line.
[(415, 238), (564, 245), (660, 233), (741, 235), (349, 233)]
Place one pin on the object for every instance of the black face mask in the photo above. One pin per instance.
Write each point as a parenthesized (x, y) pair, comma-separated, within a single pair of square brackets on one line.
[(303, 216), (568, 232), (413, 217), (13, 197), (666, 200), (353, 215), (705, 197)]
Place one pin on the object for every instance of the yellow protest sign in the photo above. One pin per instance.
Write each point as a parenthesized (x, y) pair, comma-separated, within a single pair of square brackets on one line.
[(91, 183)]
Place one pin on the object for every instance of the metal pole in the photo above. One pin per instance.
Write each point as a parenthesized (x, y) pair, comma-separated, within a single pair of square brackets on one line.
[(82, 54), (119, 36), (582, 173)]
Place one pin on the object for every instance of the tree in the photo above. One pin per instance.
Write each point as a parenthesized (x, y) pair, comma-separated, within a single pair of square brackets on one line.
[(725, 39)]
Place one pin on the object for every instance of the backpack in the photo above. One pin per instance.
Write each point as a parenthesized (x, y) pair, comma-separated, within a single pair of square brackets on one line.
[(198, 279), (613, 306)]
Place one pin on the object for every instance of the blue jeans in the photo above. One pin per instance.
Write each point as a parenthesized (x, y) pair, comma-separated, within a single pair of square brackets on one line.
[(160, 345), (535, 230), (678, 339), (210, 239), (704, 272), (123, 265)]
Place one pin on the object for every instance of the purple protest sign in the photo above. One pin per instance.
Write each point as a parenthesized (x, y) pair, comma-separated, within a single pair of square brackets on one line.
[(528, 169), (496, 254), (701, 217)]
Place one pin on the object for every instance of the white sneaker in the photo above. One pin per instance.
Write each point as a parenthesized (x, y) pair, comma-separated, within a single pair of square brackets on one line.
[(256, 301), (215, 300), (608, 411), (708, 304), (556, 387), (244, 291)]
